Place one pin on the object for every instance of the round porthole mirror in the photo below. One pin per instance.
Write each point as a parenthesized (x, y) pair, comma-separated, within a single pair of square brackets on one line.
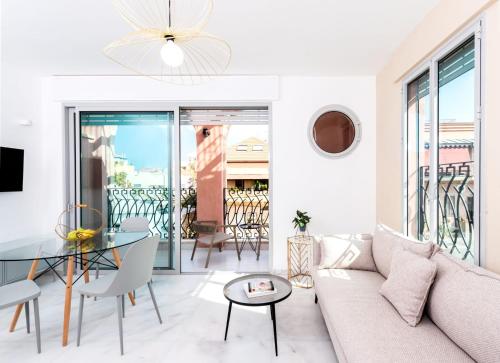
[(334, 131)]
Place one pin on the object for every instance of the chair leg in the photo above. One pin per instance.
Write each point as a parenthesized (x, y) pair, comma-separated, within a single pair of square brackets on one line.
[(80, 319), (259, 242), (96, 276), (37, 326), (154, 301), (209, 253), (194, 249), (123, 304), (119, 311), (238, 252), (27, 313)]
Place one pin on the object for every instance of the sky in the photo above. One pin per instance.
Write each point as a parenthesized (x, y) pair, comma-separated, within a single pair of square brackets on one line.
[(144, 146), (456, 98)]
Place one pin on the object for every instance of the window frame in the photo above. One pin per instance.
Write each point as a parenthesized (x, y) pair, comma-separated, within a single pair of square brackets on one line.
[(476, 30)]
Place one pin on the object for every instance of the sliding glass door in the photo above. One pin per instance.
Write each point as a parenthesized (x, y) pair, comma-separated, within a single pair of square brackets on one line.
[(442, 132), (125, 170)]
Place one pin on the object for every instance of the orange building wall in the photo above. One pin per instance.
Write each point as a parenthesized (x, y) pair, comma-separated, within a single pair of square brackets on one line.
[(210, 173)]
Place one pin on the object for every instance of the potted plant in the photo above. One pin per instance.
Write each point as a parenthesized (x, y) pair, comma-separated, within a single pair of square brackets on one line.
[(301, 221)]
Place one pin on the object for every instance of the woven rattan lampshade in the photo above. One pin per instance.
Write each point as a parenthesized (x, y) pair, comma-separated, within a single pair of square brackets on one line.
[(181, 22)]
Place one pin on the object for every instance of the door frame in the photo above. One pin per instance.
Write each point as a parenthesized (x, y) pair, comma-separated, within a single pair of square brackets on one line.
[(72, 193)]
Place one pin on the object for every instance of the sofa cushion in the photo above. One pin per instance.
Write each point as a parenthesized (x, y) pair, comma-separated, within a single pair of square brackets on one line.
[(366, 328), (386, 239), (317, 240), (464, 303), (408, 284), (346, 251)]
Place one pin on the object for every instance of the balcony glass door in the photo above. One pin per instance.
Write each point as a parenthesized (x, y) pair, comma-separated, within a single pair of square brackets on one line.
[(443, 121), (125, 170)]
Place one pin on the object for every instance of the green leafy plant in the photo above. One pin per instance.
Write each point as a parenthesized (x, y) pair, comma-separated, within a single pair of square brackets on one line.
[(260, 185), (301, 220)]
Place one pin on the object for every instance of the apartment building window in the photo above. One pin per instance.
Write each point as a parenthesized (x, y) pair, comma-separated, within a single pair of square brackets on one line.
[(442, 122)]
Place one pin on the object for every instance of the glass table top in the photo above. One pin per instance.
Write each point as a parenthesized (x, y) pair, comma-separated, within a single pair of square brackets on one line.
[(52, 246)]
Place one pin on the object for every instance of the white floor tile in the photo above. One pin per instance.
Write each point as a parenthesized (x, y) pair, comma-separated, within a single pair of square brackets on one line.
[(194, 313)]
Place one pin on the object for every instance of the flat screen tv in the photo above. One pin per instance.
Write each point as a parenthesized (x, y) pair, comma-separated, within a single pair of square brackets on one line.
[(11, 169)]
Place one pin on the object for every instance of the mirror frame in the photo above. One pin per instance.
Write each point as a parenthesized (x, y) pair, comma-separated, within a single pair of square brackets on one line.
[(335, 108)]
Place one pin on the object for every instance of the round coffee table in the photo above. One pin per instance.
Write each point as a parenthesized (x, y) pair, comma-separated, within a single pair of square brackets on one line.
[(233, 291)]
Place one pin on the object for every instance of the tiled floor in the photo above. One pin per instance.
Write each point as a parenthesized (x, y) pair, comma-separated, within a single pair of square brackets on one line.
[(194, 312)]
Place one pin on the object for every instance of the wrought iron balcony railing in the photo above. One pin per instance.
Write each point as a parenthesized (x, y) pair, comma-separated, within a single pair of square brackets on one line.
[(156, 204), (247, 206), (455, 208)]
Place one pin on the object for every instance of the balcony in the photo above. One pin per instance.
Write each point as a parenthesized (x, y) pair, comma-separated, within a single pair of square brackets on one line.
[(240, 206)]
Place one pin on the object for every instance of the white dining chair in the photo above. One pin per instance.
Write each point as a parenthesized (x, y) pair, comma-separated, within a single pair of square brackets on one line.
[(135, 224), (130, 224), (23, 292), (135, 271)]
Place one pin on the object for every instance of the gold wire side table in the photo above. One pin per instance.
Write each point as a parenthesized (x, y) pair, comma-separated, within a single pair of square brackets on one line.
[(300, 260)]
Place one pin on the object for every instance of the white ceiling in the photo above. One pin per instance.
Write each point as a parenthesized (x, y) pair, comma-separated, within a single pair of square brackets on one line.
[(308, 37)]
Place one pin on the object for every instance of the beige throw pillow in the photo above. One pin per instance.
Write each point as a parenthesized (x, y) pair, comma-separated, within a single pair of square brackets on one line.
[(385, 240), (347, 251), (408, 284)]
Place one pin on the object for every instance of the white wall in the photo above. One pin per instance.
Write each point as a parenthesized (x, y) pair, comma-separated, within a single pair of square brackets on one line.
[(20, 211), (339, 194)]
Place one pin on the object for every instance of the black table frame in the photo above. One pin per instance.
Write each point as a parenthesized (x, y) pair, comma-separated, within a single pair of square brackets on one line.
[(79, 259), (272, 307), (246, 228)]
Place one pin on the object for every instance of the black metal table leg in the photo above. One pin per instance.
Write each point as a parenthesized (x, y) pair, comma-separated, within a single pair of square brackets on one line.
[(228, 317), (273, 315)]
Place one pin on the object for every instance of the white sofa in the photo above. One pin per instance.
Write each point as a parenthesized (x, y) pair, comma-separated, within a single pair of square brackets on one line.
[(461, 322)]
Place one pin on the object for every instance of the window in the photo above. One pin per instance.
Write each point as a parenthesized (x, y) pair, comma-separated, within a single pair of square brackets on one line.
[(258, 148), (239, 184), (442, 150), (241, 148)]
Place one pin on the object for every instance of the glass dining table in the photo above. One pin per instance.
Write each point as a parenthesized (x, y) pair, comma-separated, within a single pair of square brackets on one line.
[(54, 252)]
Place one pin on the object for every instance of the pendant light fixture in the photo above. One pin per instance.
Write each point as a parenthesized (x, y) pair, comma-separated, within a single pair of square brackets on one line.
[(168, 42)]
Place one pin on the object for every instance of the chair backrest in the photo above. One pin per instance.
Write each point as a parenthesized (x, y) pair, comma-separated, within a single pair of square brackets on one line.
[(136, 268), (204, 227), (135, 224)]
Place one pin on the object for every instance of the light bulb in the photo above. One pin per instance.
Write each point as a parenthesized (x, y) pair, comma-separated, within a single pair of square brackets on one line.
[(172, 54)]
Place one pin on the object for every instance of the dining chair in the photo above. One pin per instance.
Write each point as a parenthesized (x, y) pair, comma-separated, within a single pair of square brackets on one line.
[(135, 271), (23, 292), (135, 224), (206, 233), (130, 224)]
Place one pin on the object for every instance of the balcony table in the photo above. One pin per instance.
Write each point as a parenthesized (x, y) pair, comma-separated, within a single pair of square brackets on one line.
[(54, 252), (247, 236)]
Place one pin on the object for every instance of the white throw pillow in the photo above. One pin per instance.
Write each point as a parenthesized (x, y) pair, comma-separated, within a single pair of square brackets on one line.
[(408, 284), (347, 252)]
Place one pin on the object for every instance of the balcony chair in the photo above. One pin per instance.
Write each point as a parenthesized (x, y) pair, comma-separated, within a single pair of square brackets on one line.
[(23, 292), (135, 271), (206, 234)]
